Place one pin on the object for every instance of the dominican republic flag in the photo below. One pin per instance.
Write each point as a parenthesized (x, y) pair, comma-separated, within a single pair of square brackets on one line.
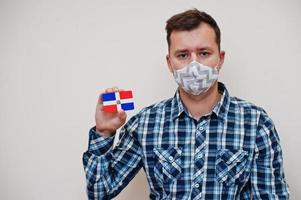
[(114, 101)]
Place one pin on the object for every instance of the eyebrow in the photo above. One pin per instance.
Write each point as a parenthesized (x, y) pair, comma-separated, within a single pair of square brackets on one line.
[(181, 51), (186, 50)]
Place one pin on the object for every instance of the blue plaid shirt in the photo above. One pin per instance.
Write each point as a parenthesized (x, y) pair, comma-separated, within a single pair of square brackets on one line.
[(231, 153)]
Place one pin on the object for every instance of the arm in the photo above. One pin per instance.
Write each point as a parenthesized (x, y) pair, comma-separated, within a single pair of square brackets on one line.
[(267, 175), (108, 170)]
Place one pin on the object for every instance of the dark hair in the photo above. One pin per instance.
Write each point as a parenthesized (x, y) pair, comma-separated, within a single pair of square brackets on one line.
[(190, 20)]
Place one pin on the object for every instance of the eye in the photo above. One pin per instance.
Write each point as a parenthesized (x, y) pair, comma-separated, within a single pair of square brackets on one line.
[(182, 56), (204, 53)]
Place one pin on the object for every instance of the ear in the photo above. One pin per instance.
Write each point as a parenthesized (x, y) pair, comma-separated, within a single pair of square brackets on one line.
[(221, 59), (168, 63)]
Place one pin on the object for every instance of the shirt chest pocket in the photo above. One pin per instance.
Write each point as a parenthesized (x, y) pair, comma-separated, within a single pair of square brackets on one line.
[(168, 164), (231, 166)]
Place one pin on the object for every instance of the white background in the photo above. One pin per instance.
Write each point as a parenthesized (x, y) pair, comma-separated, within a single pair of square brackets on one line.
[(57, 56)]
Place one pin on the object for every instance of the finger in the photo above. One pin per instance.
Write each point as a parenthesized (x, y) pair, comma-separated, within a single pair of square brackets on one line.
[(109, 90), (115, 89)]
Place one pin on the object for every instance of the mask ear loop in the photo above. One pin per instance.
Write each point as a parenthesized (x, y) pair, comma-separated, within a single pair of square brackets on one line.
[(217, 67)]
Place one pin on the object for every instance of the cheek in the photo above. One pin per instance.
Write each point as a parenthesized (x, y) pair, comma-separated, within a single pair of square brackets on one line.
[(212, 61), (177, 64)]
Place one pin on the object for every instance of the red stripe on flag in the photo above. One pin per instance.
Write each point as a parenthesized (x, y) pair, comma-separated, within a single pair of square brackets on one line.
[(110, 108), (126, 94)]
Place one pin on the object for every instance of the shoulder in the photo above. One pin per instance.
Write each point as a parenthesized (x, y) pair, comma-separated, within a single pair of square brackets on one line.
[(249, 108), (245, 106)]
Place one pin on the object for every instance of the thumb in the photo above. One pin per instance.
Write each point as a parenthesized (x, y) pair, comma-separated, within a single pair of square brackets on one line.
[(122, 115)]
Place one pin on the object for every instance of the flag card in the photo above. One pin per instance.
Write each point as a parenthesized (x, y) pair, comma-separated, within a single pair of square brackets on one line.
[(115, 101)]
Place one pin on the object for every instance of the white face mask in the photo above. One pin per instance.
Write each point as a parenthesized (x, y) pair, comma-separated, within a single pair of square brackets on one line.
[(196, 78)]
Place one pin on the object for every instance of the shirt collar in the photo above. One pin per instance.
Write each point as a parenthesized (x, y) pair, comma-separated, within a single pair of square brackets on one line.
[(220, 109)]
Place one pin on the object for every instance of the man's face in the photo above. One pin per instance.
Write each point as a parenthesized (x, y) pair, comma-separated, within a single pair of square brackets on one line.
[(198, 44)]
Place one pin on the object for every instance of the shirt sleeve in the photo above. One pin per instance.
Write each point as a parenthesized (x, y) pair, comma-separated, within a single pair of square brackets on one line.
[(267, 174), (108, 170)]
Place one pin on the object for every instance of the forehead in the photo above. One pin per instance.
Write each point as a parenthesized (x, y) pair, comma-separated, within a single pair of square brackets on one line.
[(202, 36)]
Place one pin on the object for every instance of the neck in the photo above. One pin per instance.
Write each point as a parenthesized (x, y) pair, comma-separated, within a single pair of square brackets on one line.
[(200, 105)]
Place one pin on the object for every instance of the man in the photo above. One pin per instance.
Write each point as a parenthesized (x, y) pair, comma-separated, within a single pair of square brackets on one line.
[(200, 144)]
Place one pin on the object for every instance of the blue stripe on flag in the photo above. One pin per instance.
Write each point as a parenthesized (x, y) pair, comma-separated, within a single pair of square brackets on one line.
[(127, 106), (108, 96)]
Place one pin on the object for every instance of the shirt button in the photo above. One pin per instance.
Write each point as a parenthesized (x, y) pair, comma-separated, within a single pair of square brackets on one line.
[(170, 158), (199, 156), (196, 185), (201, 128)]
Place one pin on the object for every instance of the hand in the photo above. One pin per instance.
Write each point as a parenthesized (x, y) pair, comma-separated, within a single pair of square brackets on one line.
[(108, 123)]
